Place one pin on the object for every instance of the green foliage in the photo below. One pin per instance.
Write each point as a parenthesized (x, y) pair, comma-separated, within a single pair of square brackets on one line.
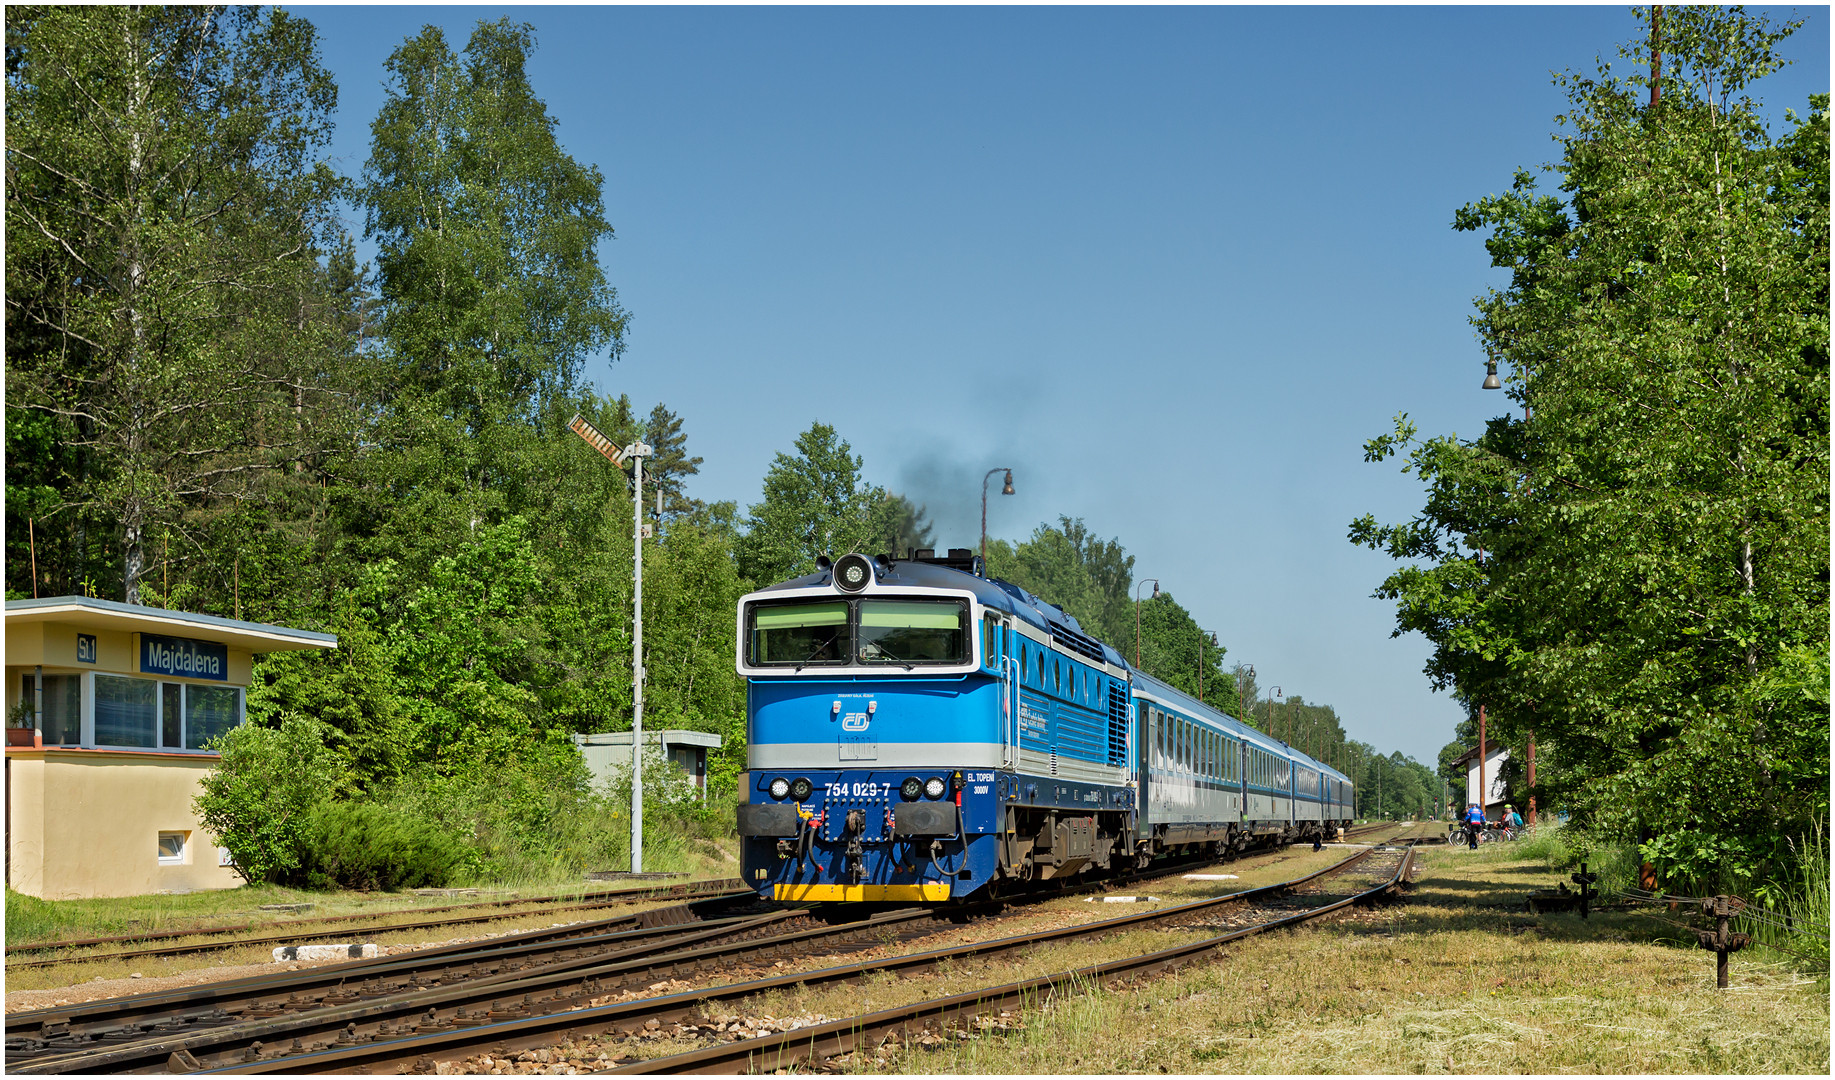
[(815, 504), (492, 293), (365, 846), (1638, 571), (258, 798), (1389, 786), (1088, 577), (166, 211)]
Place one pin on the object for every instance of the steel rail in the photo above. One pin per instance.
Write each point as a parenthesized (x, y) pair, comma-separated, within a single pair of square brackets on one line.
[(664, 893), (428, 965), (783, 1050), (167, 935), (556, 1020), (371, 1009)]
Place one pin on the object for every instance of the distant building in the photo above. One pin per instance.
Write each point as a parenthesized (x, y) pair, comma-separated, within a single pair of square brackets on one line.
[(109, 706), (1495, 755), (608, 753)]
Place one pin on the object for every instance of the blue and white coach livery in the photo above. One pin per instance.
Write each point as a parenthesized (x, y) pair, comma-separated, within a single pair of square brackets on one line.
[(920, 732)]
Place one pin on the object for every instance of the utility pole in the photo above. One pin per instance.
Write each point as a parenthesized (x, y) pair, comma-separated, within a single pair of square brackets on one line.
[(1484, 793)]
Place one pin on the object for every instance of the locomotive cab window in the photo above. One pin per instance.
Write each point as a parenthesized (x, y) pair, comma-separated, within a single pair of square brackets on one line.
[(913, 631), (800, 633), (867, 631)]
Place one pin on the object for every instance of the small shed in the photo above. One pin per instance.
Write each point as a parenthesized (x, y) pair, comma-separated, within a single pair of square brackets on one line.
[(1495, 755), (608, 752)]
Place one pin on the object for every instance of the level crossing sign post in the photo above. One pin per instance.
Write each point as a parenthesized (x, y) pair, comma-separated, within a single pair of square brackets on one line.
[(635, 454)]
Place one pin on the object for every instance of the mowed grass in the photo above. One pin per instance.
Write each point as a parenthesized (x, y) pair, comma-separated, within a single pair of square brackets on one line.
[(1455, 979)]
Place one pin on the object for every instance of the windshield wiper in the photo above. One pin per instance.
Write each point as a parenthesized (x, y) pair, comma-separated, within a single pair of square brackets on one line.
[(805, 661)]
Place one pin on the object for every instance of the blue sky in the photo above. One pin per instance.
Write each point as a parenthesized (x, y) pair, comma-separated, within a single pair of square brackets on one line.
[(1172, 265)]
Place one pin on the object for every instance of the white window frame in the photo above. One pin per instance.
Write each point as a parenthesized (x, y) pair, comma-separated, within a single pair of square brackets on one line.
[(184, 846), (159, 728)]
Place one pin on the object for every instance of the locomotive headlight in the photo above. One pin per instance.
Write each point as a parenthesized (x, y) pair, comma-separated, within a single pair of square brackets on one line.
[(853, 572), (933, 787), (800, 788), (780, 787), (911, 788)]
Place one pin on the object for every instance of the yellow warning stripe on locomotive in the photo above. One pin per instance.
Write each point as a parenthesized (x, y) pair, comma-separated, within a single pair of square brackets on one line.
[(938, 890)]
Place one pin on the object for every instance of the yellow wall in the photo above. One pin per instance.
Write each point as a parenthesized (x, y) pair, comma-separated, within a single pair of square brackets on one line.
[(87, 823), (117, 651)]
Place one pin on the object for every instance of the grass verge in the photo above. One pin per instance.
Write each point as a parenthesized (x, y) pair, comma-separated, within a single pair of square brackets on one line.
[(1454, 979)]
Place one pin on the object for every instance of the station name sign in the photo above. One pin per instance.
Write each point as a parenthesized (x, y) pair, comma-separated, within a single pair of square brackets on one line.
[(183, 657)]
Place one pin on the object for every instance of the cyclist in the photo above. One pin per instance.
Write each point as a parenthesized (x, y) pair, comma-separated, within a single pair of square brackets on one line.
[(1474, 822), (1513, 821)]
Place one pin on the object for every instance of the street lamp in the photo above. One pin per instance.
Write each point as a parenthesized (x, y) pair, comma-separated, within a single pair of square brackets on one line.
[(1491, 382), (1205, 637), (1245, 672), (1137, 614), (635, 453), (1275, 692), (1006, 489)]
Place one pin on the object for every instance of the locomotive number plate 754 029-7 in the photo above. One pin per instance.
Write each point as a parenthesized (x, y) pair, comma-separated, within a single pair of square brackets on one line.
[(867, 790)]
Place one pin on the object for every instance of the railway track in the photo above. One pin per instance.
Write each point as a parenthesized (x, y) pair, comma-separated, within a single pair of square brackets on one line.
[(812, 1044), (724, 887), (541, 1023), (451, 990), (452, 985)]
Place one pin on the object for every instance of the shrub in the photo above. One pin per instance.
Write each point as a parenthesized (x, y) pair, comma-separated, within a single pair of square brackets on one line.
[(256, 800), (366, 846)]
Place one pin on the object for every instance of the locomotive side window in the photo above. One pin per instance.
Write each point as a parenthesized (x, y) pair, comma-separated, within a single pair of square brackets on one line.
[(908, 631), (800, 634)]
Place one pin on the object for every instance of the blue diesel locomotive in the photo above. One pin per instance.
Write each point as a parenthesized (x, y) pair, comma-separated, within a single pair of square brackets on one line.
[(921, 732)]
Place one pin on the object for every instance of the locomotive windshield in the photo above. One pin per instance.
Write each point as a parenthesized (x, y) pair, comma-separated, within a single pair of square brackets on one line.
[(903, 632), (912, 632), (801, 634)]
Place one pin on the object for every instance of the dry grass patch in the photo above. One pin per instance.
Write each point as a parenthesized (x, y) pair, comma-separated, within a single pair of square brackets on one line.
[(1451, 980)]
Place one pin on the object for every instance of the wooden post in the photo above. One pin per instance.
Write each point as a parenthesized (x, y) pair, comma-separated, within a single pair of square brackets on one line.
[(31, 536), (1532, 778), (1484, 792)]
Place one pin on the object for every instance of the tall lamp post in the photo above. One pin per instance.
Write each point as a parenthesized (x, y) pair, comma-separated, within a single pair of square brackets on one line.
[(1245, 672), (1206, 639), (1005, 489), (635, 453), (1137, 614)]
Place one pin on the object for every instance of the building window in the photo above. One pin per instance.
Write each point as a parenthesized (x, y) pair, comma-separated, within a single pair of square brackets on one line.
[(171, 714), (157, 715), (210, 711), (126, 712), (172, 848), (63, 718)]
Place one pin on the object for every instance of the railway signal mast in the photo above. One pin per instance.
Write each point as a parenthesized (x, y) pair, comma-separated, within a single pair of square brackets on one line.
[(635, 453)]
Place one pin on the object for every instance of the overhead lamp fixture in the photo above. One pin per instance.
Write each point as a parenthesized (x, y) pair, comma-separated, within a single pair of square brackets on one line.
[(1491, 382)]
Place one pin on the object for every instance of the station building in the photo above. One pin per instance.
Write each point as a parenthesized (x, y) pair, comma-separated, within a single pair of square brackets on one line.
[(1495, 756), (109, 706)]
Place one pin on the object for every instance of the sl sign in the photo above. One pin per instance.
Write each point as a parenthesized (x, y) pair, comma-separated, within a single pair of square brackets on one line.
[(183, 657)]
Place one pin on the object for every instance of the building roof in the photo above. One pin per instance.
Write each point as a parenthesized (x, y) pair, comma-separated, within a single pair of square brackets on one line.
[(114, 615), (673, 736), (1492, 749)]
